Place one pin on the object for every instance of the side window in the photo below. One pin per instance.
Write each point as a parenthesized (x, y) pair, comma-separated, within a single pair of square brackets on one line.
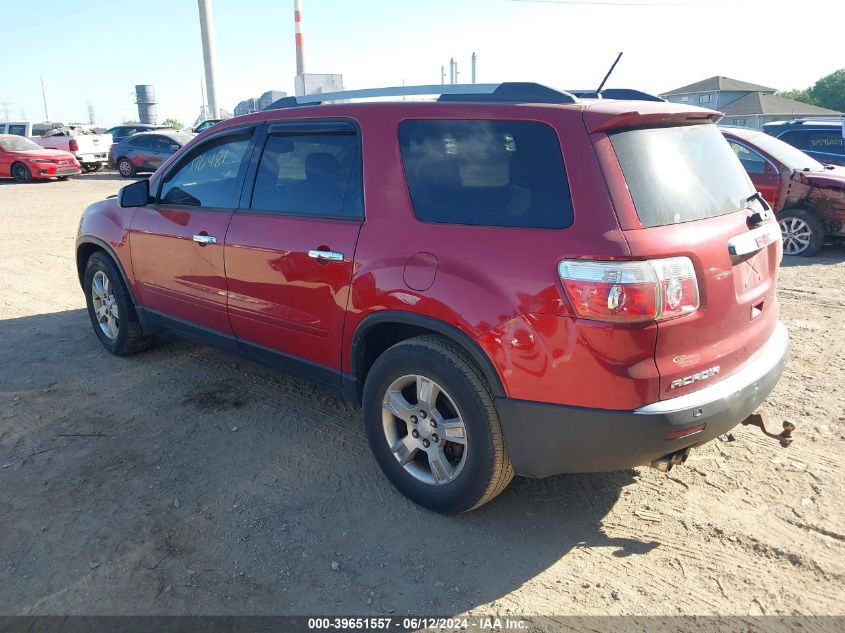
[(796, 138), (753, 162), (164, 144), (310, 174), (140, 142), (18, 130), (825, 141), (705, 98), (490, 173), (208, 175)]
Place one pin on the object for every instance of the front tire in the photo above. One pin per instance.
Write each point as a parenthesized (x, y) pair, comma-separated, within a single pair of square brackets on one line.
[(110, 308), (125, 168), (433, 427), (803, 232), (21, 173)]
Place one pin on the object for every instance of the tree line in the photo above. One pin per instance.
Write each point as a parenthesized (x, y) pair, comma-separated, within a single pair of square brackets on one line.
[(827, 92)]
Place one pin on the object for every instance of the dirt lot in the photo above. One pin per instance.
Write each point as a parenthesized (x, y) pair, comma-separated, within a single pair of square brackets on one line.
[(185, 481)]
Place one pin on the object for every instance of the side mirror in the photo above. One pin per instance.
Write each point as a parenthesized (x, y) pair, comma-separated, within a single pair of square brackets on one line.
[(135, 195)]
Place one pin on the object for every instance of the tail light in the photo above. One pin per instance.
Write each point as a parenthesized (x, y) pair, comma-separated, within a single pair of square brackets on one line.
[(631, 292), (73, 146)]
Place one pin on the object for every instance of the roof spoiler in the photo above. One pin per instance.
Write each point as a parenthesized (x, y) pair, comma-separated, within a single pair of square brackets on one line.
[(597, 122)]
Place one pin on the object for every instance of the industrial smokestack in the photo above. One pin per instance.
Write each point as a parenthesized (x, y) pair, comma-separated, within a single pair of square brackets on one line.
[(297, 19), (207, 32), (442, 74), (474, 58), (146, 99), (452, 70)]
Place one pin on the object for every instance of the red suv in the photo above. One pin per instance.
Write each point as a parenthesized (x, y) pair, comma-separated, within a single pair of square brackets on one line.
[(513, 280)]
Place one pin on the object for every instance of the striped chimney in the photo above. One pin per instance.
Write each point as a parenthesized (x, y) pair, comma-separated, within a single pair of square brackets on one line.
[(297, 18)]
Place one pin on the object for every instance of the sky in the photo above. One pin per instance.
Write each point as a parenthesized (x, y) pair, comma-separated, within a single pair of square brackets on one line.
[(97, 50)]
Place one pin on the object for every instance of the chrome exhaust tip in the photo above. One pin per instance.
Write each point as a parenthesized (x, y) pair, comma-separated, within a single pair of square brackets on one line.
[(664, 464)]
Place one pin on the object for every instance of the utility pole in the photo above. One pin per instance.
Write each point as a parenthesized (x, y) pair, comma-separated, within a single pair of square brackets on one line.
[(91, 117), (204, 110), (208, 54), (474, 59), (44, 95), (442, 74)]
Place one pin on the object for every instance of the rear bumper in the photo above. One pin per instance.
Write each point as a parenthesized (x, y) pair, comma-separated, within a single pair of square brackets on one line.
[(547, 439), (99, 157)]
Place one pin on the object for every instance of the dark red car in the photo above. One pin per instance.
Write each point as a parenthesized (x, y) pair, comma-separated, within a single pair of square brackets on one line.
[(515, 280), (807, 196), (24, 161)]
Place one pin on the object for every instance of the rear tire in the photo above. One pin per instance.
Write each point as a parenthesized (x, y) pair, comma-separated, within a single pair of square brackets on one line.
[(803, 232), (125, 168), (443, 451), (91, 167), (21, 173), (110, 308)]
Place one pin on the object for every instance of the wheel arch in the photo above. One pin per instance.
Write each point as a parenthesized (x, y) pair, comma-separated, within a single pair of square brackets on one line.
[(379, 331), (86, 246)]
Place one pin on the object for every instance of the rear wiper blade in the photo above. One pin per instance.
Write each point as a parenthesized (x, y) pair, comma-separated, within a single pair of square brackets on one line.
[(758, 217)]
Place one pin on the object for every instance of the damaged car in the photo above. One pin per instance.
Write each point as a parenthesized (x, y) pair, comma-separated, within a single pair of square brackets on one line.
[(807, 196)]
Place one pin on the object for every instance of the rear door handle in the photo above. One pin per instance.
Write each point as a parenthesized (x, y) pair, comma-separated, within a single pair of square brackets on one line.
[(205, 239), (332, 256)]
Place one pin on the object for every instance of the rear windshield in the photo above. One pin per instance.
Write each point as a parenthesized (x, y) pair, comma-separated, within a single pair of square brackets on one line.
[(679, 174)]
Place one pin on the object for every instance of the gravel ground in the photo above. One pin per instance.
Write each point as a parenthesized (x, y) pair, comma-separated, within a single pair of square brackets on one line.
[(184, 481)]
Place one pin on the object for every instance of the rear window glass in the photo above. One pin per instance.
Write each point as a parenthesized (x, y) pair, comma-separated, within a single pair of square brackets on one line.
[(679, 174), (491, 173)]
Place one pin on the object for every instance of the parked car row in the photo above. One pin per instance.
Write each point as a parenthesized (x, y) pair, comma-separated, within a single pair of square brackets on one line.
[(88, 148), (25, 161), (793, 165)]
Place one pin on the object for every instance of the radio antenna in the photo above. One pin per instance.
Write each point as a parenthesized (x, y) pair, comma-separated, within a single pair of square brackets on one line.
[(607, 76)]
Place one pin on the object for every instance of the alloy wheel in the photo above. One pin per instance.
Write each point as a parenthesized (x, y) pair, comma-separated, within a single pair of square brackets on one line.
[(105, 305), (424, 429), (125, 168), (21, 174), (796, 235)]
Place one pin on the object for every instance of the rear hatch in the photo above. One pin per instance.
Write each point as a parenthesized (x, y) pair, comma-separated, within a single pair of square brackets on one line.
[(687, 195)]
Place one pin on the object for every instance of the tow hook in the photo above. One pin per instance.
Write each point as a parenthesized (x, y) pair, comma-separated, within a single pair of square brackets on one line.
[(759, 420)]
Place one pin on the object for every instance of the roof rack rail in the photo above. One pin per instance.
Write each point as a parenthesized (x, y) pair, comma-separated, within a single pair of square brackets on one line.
[(811, 119), (616, 93), (507, 92)]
